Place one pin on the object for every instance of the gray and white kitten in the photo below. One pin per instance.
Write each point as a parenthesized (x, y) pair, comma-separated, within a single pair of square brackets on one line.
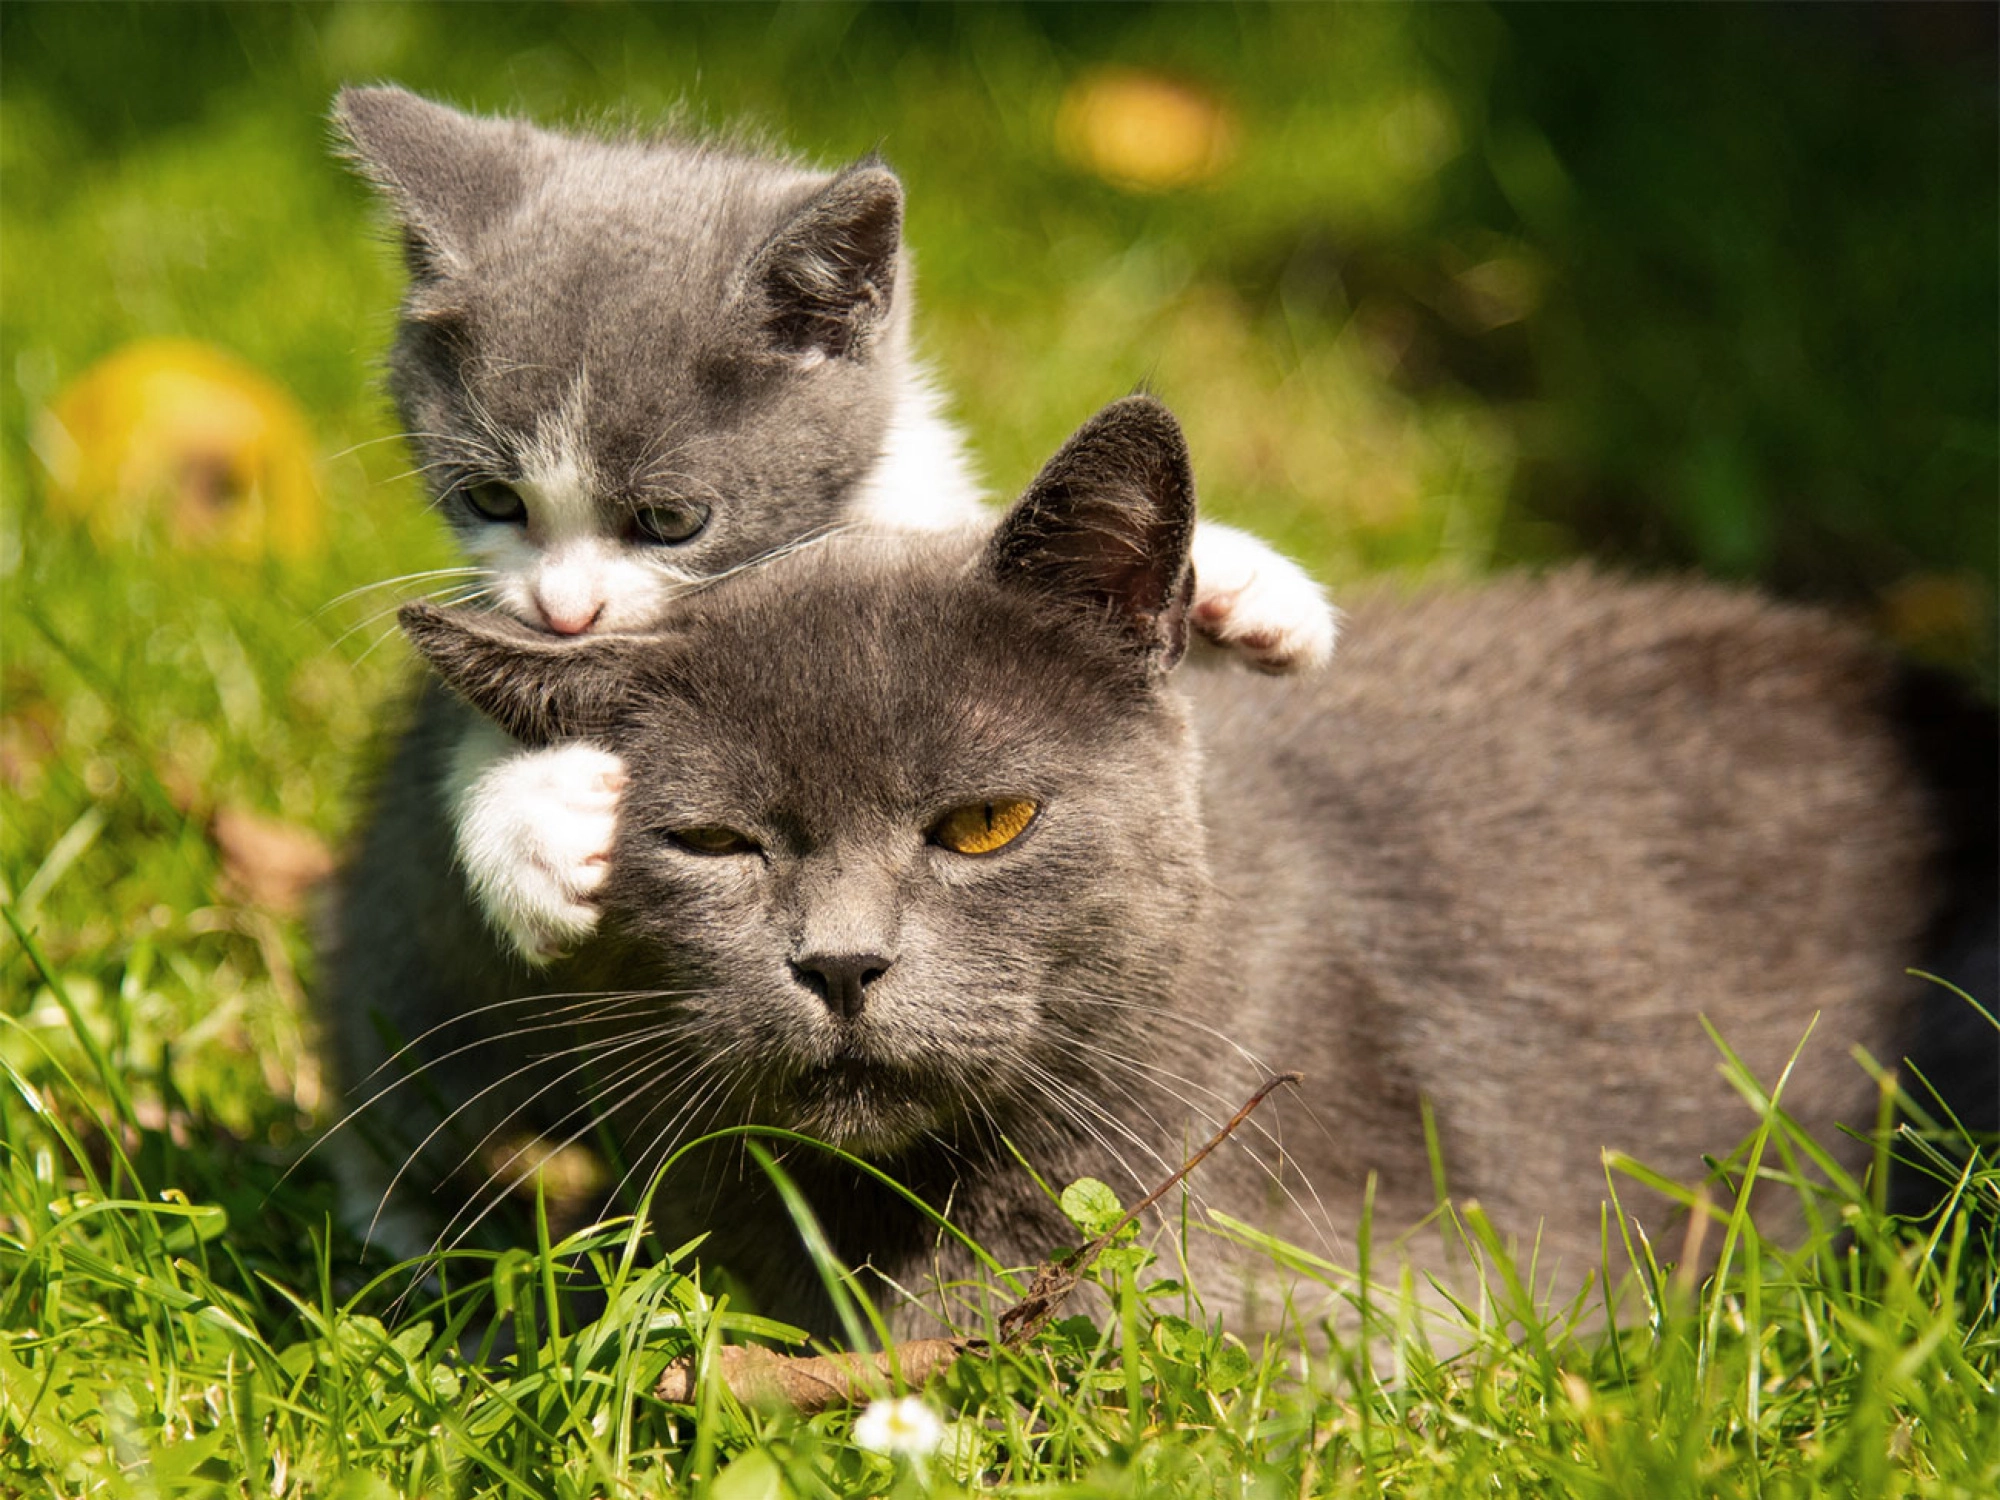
[(928, 852), (628, 365)]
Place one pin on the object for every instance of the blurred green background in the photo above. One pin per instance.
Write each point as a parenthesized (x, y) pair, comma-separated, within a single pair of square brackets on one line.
[(1679, 286), (1434, 290)]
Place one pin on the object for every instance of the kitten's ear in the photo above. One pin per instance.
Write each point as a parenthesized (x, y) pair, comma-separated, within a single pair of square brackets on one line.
[(537, 687), (823, 284), (448, 175), (1106, 527)]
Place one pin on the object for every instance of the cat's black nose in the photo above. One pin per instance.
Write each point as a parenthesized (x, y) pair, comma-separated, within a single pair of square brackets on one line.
[(841, 979)]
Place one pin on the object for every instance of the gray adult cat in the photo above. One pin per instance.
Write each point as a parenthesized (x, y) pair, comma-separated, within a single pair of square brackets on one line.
[(926, 846), (630, 364)]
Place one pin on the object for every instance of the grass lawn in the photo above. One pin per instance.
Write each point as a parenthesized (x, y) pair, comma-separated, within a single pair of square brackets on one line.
[(1428, 304)]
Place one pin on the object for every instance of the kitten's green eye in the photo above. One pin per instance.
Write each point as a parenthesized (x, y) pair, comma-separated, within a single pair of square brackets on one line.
[(712, 841), (982, 827), (671, 524), (496, 501)]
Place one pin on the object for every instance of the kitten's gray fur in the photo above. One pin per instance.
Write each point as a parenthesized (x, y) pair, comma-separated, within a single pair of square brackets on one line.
[(1500, 861), (684, 318)]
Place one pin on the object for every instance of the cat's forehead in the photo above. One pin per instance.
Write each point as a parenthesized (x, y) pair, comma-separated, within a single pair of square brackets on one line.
[(864, 682)]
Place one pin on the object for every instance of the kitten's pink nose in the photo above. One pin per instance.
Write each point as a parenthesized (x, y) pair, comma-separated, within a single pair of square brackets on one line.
[(569, 617)]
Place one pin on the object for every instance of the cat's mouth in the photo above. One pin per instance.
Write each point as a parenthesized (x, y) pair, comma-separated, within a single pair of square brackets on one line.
[(862, 1104)]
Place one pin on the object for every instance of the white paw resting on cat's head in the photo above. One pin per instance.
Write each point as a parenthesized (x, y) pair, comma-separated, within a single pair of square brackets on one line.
[(1254, 602), (534, 831)]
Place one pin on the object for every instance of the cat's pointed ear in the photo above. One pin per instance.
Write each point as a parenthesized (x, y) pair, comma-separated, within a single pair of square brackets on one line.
[(1106, 527), (823, 285), (537, 687), (447, 175)]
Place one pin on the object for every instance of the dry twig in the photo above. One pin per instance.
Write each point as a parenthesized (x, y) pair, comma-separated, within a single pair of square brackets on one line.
[(810, 1383)]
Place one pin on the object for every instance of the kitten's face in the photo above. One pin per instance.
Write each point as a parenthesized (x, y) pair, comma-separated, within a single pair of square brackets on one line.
[(626, 366), (910, 839)]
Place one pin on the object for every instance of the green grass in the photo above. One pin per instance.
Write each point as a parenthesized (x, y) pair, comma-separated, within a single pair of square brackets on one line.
[(1724, 382), (153, 1342)]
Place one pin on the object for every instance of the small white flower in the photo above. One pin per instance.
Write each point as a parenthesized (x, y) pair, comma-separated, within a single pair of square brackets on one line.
[(904, 1425)]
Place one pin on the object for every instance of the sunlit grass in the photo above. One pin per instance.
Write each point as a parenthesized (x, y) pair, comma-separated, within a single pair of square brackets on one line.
[(157, 1344)]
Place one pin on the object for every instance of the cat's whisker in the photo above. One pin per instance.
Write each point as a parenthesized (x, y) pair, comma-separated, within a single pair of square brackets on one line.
[(609, 1012), (600, 1007), (581, 1000), (594, 1111), (1317, 1214), (440, 1247), (1075, 1103), (417, 1152), (661, 1147), (1177, 1017), (1151, 1118), (598, 1113), (593, 1054)]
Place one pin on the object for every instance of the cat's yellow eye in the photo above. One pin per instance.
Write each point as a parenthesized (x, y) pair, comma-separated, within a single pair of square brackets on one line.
[(713, 841), (982, 827)]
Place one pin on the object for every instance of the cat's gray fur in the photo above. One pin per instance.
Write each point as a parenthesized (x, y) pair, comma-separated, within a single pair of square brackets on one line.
[(1500, 861)]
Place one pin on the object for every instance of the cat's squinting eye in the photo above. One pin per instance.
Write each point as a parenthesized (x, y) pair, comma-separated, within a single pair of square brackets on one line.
[(983, 827), (496, 501), (712, 841), (670, 525)]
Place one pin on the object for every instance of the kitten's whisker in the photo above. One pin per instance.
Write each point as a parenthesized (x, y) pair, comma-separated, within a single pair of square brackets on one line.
[(389, 583), (454, 599), (376, 617), (655, 476), (375, 645), (787, 549), (374, 442), (451, 463)]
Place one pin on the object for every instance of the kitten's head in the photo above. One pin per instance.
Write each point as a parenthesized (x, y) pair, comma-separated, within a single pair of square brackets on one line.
[(627, 363), (910, 841)]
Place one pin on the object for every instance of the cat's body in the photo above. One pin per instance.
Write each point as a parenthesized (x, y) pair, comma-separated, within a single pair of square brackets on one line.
[(1501, 862), (627, 365)]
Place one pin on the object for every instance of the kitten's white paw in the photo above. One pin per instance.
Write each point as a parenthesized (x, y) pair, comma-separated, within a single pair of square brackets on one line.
[(1258, 604), (534, 837)]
